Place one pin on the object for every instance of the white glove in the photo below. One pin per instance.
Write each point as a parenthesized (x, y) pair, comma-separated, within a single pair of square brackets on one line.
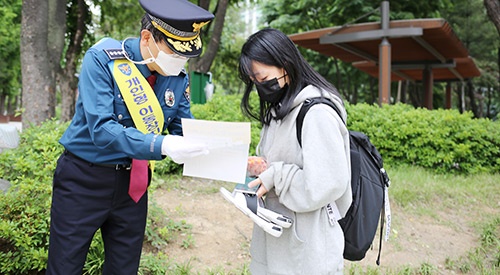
[(179, 149)]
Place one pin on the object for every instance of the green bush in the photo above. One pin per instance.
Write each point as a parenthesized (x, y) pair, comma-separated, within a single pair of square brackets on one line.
[(442, 140), (25, 215), (24, 219)]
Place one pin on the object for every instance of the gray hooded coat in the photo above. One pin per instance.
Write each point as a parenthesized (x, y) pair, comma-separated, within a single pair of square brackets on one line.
[(301, 182)]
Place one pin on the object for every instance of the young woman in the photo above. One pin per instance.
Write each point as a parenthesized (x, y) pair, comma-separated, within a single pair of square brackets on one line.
[(297, 181)]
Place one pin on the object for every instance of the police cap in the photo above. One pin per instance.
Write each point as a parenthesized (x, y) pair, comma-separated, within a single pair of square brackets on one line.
[(180, 21)]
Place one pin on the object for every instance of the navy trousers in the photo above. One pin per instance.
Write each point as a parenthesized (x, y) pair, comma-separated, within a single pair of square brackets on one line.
[(88, 197)]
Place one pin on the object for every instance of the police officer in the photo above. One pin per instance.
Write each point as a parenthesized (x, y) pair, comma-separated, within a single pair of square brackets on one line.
[(119, 124)]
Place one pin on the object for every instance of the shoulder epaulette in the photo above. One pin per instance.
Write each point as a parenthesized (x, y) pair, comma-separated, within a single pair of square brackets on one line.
[(115, 54)]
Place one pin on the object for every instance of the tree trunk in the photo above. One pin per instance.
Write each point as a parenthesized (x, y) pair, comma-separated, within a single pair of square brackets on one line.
[(202, 64), (56, 33), (354, 98), (38, 85), (67, 79), (404, 91), (204, 4), (493, 10), (10, 105), (415, 96), (13, 104), (373, 92), (488, 102), (346, 91), (338, 84), (472, 98), (459, 89), (2, 104)]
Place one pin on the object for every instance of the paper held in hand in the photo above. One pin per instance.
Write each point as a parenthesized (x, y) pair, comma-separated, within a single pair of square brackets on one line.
[(228, 143)]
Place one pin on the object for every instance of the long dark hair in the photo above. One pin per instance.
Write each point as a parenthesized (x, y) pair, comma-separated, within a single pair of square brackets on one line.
[(273, 48)]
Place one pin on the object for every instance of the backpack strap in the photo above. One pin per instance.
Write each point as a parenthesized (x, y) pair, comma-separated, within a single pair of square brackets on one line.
[(308, 103), (382, 221)]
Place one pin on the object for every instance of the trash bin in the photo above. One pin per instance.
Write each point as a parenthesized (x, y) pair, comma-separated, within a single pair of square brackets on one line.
[(9, 137), (197, 86)]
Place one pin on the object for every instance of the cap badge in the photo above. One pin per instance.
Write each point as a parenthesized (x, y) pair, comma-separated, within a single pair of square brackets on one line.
[(198, 26), (169, 98)]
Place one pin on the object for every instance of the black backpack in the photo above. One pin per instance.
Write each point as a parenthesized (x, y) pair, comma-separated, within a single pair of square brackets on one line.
[(368, 182)]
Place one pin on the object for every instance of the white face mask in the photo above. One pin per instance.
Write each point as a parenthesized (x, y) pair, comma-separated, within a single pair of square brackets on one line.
[(170, 64), (145, 61)]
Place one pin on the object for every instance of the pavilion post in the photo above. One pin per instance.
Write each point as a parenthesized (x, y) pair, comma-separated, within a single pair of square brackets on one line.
[(384, 86), (428, 82)]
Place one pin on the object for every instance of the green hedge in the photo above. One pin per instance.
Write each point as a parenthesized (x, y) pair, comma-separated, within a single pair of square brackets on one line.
[(443, 141), (25, 215), (24, 219)]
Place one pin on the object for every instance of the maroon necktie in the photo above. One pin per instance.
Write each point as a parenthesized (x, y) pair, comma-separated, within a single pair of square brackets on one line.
[(139, 172)]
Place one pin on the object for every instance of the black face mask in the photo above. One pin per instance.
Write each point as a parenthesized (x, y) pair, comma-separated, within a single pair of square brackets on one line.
[(271, 91)]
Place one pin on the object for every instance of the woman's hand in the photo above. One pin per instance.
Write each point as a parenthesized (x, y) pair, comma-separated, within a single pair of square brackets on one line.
[(262, 190), (256, 165)]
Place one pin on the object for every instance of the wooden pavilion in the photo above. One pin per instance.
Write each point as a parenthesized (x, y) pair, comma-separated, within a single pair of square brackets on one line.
[(424, 50)]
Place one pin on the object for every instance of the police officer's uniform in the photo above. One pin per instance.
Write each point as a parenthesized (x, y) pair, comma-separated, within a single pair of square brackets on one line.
[(90, 188)]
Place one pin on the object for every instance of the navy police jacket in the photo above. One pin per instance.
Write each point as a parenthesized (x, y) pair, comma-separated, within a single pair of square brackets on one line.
[(102, 130)]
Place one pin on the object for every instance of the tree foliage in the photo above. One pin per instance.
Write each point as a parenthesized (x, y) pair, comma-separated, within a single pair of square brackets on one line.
[(224, 72), (85, 22), (10, 71), (466, 17), (493, 10), (470, 22), (117, 18), (93, 19)]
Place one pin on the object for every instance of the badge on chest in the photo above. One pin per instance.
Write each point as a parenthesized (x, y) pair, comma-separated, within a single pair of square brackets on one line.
[(169, 98)]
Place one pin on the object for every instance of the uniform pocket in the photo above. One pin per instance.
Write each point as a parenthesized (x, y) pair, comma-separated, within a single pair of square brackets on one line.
[(61, 161), (121, 112)]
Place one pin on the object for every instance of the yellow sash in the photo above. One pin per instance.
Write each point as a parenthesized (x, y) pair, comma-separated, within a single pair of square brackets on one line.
[(139, 97)]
